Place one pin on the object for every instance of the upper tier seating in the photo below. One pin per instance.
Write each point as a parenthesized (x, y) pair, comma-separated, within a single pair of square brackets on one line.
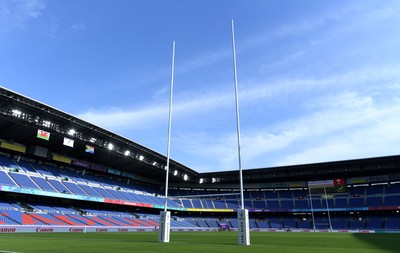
[(356, 198), (50, 178)]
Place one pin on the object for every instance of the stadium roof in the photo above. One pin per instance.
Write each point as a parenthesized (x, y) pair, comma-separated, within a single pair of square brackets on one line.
[(21, 117), (256, 178)]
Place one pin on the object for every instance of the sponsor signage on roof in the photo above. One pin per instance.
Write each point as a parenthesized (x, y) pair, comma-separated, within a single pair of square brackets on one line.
[(80, 164), (114, 171), (98, 167)]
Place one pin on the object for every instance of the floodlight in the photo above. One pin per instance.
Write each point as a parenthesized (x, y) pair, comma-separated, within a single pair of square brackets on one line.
[(127, 152), (16, 113), (141, 158), (71, 132), (154, 163), (93, 140), (213, 180), (201, 180), (175, 173), (46, 123), (185, 177), (110, 146)]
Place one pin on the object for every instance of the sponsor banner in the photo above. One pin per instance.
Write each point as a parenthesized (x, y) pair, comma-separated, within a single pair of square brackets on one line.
[(377, 179), (61, 158), (276, 230), (128, 175), (14, 147), (15, 189), (330, 209), (358, 180), (297, 184), (77, 230), (384, 208), (127, 203), (366, 231), (114, 171), (388, 231), (303, 210), (80, 164), (98, 168), (320, 184), (296, 230), (8, 230), (88, 229), (170, 208), (177, 208), (283, 185), (209, 210)]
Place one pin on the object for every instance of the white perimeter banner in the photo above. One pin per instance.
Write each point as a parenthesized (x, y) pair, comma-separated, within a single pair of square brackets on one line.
[(105, 229), (91, 229)]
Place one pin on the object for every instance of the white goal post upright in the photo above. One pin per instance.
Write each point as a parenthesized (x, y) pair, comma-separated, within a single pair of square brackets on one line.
[(165, 216), (242, 213)]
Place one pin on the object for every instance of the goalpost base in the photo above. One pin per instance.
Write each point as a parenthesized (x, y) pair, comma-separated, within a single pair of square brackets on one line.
[(243, 227), (164, 230)]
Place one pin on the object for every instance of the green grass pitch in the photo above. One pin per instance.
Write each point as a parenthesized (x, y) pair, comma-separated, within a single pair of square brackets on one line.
[(193, 242)]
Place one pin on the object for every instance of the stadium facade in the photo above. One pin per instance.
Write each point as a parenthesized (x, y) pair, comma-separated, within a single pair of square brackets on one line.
[(60, 173)]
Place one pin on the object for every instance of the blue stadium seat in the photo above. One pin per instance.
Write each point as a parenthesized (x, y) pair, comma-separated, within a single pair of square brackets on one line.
[(43, 184), (23, 180), (356, 202), (5, 179), (273, 204), (374, 201)]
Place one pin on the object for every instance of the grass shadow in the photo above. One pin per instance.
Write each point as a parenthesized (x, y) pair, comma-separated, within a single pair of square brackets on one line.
[(383, 241)]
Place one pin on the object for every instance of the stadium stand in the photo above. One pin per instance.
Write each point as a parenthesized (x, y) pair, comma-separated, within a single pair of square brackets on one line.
[(357, 197), (43, 182)]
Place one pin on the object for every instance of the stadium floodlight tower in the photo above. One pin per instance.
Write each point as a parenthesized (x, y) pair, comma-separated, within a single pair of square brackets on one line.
[(243, 214), (165, 216)]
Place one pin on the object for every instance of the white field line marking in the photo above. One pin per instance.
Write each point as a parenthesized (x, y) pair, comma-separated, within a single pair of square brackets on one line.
[(5, 251)]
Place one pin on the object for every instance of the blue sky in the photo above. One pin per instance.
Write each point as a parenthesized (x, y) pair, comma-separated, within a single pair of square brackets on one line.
[(318, 80)]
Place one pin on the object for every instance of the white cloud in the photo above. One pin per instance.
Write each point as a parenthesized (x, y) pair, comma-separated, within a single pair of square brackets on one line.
[(351, 16), (356, 119), (16, 14), (348, 126), (337, 115), (379, 138), (208, 152), (50, 27), (78, 27), (117, 119), (214, 101), (30, 8), (205, 59)]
